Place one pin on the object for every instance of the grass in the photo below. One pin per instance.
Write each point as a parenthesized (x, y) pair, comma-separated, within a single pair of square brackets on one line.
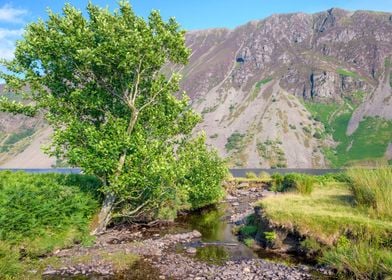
[(372, 188), (43, 212), (325, 215), (360, 261), (263, 82), (349, 223), (14, 138), (302, 183), (368, 142), (347, 73)]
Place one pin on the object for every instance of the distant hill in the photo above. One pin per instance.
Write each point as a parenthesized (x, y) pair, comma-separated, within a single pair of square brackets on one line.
[(292, 90)]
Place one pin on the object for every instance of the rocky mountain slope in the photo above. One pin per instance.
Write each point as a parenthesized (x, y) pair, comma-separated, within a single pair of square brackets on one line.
[(258, 87), (292, 90)]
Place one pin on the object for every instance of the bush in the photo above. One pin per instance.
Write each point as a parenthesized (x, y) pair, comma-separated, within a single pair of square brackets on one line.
[(304, 184), (249, 242), (234, 141), (317, 135), (248, 230), (250, 175), (46, 211), (373, 188), (264, 176), (277, 180), (203, 174)]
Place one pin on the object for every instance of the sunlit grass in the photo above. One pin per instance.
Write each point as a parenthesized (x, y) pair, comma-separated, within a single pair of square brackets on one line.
[(325, 214), (372, 188)]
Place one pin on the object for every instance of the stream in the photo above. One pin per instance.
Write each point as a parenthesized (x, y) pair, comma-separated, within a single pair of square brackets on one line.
[(200, 245)]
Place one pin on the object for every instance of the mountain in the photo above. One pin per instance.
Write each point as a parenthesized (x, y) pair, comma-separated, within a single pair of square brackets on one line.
[(296, 90), (292, 90)]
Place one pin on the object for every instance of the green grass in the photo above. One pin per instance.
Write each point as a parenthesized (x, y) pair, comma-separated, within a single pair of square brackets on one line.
[(372, 188), (347, 73), (14, 138), (325, 215), (43, 212), (263, 82), (350, 237), (361, 260), (368, 142)]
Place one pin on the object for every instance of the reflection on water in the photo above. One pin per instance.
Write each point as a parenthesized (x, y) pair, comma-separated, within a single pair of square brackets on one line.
[(208, 222), (218, 242), (213, 254)]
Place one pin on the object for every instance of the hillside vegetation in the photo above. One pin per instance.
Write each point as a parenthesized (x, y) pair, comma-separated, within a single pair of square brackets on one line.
[(368, 142)]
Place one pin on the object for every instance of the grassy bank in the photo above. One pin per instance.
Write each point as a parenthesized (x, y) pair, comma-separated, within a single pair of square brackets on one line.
[(348, 223), (40, 213)]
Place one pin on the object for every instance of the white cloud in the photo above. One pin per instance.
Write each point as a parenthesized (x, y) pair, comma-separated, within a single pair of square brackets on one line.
[(8, 38), (10, 14)]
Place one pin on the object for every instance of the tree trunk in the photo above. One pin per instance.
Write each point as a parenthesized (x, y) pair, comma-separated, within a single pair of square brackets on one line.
[(104, 215)]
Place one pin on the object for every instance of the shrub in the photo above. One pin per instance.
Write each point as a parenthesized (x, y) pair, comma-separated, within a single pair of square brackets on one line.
[(317, 135), (248, 230), (203, 172), (373, 188), (46, 211), (289, 181), (270, 236), (249, 242), (304, 184), (251, 175), (234, 141), (264, 176), (277, 180)]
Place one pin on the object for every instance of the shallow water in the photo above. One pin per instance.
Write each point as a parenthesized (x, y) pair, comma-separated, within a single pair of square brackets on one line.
[(218, 243)]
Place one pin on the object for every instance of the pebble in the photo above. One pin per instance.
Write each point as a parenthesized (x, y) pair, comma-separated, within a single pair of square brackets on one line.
[(191, 250)]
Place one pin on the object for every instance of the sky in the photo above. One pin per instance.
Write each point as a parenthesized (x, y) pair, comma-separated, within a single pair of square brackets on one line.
[(191, 14)]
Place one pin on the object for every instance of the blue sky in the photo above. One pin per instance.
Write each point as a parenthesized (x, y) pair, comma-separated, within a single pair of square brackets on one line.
[(191, 14)]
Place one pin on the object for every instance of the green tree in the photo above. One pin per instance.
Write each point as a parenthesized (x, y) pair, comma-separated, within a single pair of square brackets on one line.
[(99, 83)]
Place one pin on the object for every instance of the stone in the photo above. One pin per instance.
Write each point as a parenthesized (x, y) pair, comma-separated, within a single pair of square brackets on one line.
[(196, 234), (49, 271), (191, 250), (243, 185)]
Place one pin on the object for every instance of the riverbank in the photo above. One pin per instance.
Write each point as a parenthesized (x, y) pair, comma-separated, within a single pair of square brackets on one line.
[(213, 252), (332, 225), (47, 218)]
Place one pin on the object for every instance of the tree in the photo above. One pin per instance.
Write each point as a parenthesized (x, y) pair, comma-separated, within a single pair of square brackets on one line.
[(99, 83)]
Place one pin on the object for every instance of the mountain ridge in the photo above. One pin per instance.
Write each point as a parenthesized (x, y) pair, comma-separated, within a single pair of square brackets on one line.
[(293, 90)]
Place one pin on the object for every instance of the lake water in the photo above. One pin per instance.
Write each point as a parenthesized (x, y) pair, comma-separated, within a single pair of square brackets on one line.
[(236, 172)]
